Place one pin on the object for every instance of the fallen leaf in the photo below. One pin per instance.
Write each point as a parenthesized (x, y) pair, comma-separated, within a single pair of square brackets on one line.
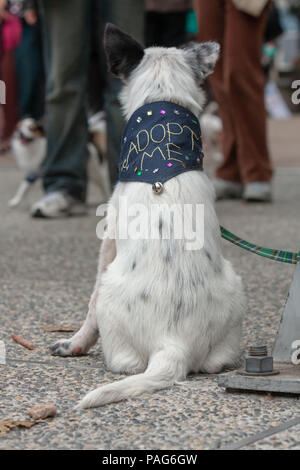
[(23, 342), (60, 328), (7, 425), (42, 411)]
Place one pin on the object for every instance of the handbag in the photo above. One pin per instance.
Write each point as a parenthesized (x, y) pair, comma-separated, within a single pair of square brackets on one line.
[(252, 7), (11, 33)]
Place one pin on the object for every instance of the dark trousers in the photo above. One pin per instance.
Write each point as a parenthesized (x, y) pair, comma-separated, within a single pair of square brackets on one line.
[(67, 29), (165, 29), (30, 72), (238, 85)]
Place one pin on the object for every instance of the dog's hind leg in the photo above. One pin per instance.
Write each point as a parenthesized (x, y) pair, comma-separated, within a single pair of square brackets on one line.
[(126, 361), (88, 334), (121, 357), (224, 355)]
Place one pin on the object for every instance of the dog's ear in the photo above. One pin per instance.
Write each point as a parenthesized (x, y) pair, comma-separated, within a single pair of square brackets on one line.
[(202, 58), (40, 131), (123, 53), (37, 129)]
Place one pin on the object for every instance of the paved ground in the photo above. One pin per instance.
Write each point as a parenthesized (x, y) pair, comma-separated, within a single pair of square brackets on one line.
[(47, 272)]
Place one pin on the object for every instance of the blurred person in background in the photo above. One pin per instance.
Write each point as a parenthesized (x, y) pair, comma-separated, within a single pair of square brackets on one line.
[(10, 37), (21, 64), (68, 27), (165, 22), (238, 85)]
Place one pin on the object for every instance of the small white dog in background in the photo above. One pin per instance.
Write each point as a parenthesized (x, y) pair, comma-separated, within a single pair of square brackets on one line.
[(162, 311), (29, 150), (211, 125)]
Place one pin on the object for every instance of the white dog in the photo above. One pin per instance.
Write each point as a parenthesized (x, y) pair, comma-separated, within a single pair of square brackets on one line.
[(162, 311), (29, 150), (212, 128)]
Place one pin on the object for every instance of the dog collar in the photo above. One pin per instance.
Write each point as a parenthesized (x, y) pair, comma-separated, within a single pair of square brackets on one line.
[(161, 140)]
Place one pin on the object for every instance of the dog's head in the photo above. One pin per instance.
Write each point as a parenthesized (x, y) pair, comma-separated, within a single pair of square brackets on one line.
[(157, 73), (29, 144), (29, 130)]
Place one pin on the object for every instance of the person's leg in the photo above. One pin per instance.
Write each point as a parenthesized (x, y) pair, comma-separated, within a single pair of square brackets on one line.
[(27, 69), (211, 22), (38, 100), (244, 85), (153, 28), (66, 52), (97, 73), (129, 16), (96, 84), (173, 29)]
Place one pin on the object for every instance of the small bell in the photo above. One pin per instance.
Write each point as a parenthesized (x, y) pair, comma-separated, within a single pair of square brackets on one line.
[(158, 188)]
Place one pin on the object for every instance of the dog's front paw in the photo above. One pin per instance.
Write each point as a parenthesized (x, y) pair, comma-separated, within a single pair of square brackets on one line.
[(14, 202), (65, 348)]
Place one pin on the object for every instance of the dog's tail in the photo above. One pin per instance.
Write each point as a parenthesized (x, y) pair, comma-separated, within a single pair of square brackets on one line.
[(165, 368)]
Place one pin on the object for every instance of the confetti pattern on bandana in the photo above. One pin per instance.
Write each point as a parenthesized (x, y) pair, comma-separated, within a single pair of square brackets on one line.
[(161, 140)]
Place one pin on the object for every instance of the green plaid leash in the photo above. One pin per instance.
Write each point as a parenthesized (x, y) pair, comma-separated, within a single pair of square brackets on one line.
[(276, 255)]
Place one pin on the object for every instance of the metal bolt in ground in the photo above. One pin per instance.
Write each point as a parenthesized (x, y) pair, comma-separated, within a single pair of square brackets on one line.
[(258, 351), (258, 362)]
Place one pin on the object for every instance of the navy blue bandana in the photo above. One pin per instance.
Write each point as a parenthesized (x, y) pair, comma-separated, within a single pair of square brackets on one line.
[(161, 140)]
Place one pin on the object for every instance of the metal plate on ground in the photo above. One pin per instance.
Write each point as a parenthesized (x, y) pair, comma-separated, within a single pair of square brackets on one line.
[(253, 374), (289, 330), (287, 381)]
